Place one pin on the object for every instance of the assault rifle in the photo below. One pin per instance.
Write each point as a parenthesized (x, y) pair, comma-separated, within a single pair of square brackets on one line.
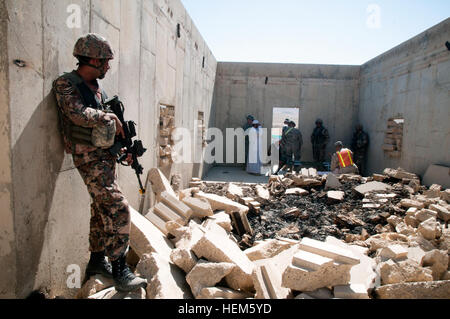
[(135, 148)]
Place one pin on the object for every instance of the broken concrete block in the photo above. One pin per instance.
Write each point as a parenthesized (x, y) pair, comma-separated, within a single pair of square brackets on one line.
[(399, 174), (312, 172), (442, 212), (296, 191), (304, 259), (190, 235), (234, 192), (332, 182), (184, 259), (176, 206), (222, 203), (353, 291), (95, 284), (334, 252), (175, 229), (157, 221), (415, 290), (434, 191), (167, 214), (222, 293), (379, 177), (416, 254), (267, 282), (437, 260), (159, 182), (207, 274), (305, 279), (430, 229), (404, 271), (222, 219), (407, 203), (241, 224), (146, 238), (445, 195), (411, 221), (266, 249), (420, 241), (394, 220), (424, 214), (165, 280), (371, 187), (404, 229), (200, 207), (112, 293), (263, 194), (218, 248), (394, 252), (321, 293), (335, 196)]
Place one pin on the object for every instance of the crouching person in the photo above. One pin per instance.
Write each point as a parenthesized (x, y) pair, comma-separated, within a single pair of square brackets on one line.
[(342, 160)]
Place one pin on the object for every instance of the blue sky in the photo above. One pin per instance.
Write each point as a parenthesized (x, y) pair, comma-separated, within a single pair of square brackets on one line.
[(300, 31)]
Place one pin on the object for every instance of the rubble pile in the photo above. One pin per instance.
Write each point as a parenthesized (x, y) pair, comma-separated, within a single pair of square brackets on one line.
[(303, 236)]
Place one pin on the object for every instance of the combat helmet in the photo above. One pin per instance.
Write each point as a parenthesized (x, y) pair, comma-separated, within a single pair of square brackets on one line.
[(319, 121), (93, 46)]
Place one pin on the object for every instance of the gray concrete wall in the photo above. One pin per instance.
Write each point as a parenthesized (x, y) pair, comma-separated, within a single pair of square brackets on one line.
[(412, 81), (329, 92), (46, 228)]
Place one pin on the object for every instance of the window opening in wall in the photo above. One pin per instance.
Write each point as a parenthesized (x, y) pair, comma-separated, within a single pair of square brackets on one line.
[(394, 137), (280, 114), (267, 80), (203, 63), (201, 130), (166, 126), (178, 30)]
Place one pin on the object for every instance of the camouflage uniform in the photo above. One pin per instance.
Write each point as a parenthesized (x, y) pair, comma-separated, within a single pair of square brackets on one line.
[(110, 215), (291, 144), (360, 142), (319, 141)]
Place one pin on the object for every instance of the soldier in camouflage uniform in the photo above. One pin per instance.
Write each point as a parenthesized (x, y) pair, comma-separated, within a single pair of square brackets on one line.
[(291, 146), (80, 105), (360, 143), (319, 141)]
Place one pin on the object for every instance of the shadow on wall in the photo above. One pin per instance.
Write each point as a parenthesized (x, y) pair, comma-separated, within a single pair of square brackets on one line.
[(37, 157)]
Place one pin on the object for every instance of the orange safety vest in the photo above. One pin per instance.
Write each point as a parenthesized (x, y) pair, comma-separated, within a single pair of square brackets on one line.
[(345, 158)]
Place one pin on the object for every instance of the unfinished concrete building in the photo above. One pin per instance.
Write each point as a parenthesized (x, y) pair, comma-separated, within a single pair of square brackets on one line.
[(163, 66)]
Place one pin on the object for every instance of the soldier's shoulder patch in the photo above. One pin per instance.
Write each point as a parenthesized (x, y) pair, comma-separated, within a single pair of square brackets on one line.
[(63, 86)]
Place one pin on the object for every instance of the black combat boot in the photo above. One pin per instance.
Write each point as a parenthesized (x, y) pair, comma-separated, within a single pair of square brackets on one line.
[(98, 265), (124, 279)]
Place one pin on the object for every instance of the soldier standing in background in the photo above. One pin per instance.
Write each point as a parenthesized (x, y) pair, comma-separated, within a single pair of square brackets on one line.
[(360, 143), (80, 105), (291, 146), (319, 141), (247, 125)]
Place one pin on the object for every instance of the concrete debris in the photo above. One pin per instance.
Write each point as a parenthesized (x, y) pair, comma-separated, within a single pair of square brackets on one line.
[(372, 187), (335, 196), (267, 281), (159, 182), (415, 290), (222, 219), (267, 249), (407, 203), (234, 192), (94, 285), (399, 174), (184, 258), (424, 214), (200, 206), (222, 293), (165, 280), (442, 212), (296, 191), (332, 182), (430, 229), (263, 194), (404, 271), (222, 203), (437, 260), (207, 274)]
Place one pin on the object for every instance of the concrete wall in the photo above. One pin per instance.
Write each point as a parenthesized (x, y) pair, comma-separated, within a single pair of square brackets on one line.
[(44, 222), (412, 81), (329, 92)]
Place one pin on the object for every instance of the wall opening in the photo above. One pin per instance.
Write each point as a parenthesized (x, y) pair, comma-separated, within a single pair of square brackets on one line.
[(280, 114), (393, 138), (166, 126)]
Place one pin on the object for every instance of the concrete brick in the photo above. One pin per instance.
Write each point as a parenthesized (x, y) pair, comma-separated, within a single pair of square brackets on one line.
[(223, 220), (424, 214), (338, 254), (371, 187), (442, 212), (146, 238), (394, 252), (182, 210), (404, 271), (184, 258), (167, 214), (415, 290), (296, 191), (335, 196), (332, 182), (159, 182), (157, 221), (304, 279), (437, 260), (267, 281), (218, 248), (304, 259), (200, 207), (234, 192), (263, 194), (354, 291), (266, 249), (222, 203), (222, 293), (165, 280), (430, 229), (207, 274), (407, 203)]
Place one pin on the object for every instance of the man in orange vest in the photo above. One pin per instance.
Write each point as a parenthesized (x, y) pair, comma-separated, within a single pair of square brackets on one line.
[(342, 160)]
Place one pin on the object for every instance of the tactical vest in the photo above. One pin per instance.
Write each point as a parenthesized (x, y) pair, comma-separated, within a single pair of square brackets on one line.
[(345, 158), (78, 134)]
